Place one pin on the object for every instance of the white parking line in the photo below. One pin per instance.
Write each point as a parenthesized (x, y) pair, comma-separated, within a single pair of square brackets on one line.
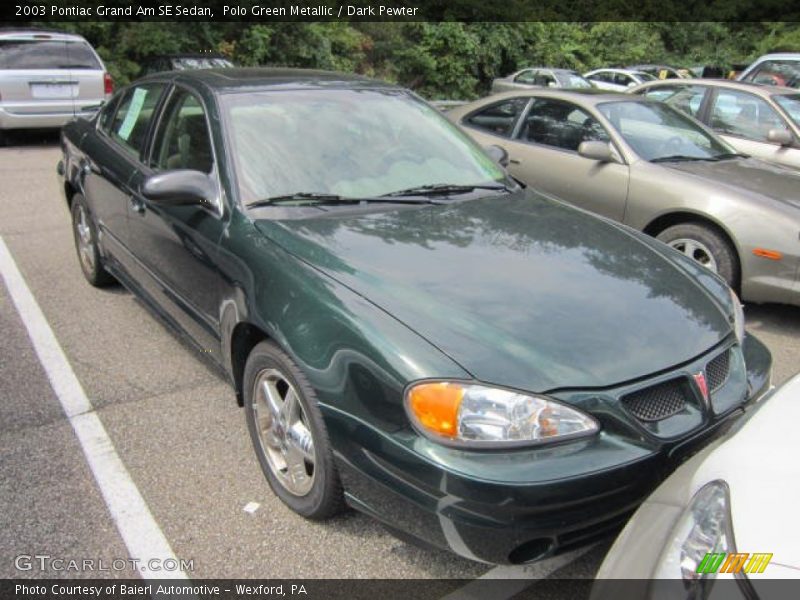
[(516, 578), (140, 532)]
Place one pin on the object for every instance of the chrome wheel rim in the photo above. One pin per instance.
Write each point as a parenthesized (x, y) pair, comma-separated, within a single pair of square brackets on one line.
[(83, 235), (283, 433), (697, 251)]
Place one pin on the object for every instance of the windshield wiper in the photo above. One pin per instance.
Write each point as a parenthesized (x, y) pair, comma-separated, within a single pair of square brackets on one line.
[(729, 155), (320, 198), (444, 189), (679, 158)]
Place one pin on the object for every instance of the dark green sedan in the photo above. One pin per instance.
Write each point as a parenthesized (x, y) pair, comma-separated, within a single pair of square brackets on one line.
[(410, 331)]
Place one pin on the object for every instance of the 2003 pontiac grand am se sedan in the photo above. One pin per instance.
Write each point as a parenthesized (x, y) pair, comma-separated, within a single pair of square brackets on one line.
[(410, 332)]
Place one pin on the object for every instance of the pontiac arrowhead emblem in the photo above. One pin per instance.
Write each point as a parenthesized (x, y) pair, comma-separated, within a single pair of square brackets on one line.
[(702, 385)]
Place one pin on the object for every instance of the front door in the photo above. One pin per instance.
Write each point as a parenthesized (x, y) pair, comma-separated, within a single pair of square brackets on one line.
[(176, 246), (544, 154)]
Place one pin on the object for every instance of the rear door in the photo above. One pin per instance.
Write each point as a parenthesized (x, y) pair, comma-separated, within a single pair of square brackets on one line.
[(43, 75), (112, 155), (35, 78), (176, 246)]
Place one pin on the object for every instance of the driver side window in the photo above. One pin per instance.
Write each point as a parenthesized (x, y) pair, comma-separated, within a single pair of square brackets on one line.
[(183, 140)]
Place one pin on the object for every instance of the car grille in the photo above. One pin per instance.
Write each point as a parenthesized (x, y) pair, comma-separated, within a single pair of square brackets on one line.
[(717, 371), (656, 402)]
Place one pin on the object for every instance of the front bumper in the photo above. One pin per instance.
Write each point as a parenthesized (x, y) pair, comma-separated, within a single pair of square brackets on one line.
[(516, 506)]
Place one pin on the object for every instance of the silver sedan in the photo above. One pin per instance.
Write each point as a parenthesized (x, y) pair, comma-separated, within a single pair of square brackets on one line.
[(652, 167), (539, 77), (761, 120)]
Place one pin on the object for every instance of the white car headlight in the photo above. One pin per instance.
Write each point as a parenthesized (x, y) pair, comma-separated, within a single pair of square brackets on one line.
[(738, 316), (467, 414), (703, 528)]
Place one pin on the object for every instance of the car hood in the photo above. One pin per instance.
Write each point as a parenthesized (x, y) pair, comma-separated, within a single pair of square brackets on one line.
[(755, 177), (518, 289)]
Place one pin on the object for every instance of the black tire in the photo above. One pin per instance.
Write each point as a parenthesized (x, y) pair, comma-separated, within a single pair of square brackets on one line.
[(89, 258), (712, 242), (324, 499)]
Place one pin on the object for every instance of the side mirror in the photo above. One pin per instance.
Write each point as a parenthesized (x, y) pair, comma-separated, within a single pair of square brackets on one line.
[(599, 151), (498, 154), (179, 187), (780, 136)]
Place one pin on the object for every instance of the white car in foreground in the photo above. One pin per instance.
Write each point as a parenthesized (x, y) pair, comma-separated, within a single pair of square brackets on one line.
[(736, 501)]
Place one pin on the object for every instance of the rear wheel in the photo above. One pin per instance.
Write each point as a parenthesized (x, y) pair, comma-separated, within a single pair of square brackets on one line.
[(706, 246), (85, 233), (289, 435)]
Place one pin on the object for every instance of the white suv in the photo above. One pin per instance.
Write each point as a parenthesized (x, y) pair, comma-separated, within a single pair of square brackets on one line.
[(47, 79)]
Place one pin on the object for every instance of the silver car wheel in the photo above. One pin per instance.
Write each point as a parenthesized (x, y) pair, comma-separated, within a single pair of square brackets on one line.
[(283, 433), (696, 251), (86, 248)]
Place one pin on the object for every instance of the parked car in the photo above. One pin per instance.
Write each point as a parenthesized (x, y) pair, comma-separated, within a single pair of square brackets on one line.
[(662, 71), (652, 167), (47, 79), (782, 69), (758, 120), (179, 62), (736, 498), (409, 331), (539, 77), (617, 80)]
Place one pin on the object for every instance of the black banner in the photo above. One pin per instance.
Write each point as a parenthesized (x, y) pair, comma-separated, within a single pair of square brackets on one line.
[(383, 589), (24, 11)]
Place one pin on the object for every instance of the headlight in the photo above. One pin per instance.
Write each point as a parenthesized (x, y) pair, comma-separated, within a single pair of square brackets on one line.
[(476, 415), (738, 316), (703, 528)]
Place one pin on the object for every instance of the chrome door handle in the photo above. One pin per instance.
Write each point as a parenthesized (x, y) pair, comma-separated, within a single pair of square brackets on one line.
[(513, 161)]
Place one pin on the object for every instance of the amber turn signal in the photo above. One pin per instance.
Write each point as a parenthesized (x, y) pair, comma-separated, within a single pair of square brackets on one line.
[(435, 405), (770, 254)]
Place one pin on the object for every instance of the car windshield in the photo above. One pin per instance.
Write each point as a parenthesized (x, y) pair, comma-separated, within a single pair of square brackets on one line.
[(658, 132), (573, 80), (790, 104), (46, 54), (645, 76), (354, 143)]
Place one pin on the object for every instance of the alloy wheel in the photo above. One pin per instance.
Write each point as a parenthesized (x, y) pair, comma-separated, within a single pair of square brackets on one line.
[(697, 251), (283, 432)]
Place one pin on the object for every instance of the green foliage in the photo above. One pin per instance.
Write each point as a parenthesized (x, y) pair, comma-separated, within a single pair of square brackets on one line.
[(440, 60)]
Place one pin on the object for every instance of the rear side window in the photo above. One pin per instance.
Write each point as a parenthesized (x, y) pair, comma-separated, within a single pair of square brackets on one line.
[(46, 54), (131, 122), (498, 118)]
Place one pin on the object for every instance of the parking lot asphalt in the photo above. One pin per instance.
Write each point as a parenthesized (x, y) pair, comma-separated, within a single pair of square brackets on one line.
[(175, 425)]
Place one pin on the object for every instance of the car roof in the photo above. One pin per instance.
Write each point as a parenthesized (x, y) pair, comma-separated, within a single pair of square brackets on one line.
[(778, 55), (39, 35), (756, 88), (230, 79), (589, 96)]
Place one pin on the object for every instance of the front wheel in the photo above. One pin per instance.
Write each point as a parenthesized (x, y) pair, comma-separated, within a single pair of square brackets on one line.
[(85, 233), (706, 246), (289, 435)]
